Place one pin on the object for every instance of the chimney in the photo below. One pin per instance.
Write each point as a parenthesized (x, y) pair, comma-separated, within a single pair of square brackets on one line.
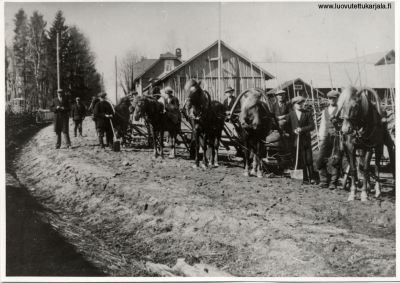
[(178, 53)]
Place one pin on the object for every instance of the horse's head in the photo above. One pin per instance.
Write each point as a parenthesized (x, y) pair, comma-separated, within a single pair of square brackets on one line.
[(252, 111), (353, 107), (197, 99), (140, 107)]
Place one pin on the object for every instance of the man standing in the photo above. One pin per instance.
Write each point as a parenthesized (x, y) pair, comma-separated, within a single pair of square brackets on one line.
[(300, 124), (328, 136), (103, 113), (78, 114), (229, 102), (281, 107), (95, 100), (60, 106)]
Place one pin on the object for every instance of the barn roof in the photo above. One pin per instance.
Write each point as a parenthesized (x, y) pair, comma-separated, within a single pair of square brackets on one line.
[(388, 58), (342, 74), (142, 66), (267, 75)]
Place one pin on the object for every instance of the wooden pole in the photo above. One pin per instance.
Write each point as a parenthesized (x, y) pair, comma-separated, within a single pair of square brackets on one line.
[(58, 62), (358, 66), (315, 112), (330, 73), (219, 51), (116, 81)]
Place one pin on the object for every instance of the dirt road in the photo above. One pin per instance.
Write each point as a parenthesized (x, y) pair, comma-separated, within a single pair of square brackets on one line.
[(124, 209)]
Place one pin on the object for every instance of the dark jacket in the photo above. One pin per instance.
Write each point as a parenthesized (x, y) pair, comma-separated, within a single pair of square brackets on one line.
[(228, 106), (78, 112), (280, 110), (100, 110), (61, 115), (172, 102), (306, 123)]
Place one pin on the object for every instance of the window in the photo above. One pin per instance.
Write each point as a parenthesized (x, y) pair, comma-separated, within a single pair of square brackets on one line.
[(169, 65), (298, 87)]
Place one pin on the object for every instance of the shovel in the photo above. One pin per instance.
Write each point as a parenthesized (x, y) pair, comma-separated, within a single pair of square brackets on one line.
[(297, 173), (116, 144)]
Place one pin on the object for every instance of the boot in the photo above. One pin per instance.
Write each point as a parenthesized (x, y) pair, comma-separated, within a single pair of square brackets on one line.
[(306, 180), (101, 142), (323, 178), (334, 179), (311, 176)]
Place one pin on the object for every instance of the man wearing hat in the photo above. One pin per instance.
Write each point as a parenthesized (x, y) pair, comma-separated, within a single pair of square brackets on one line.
[(78, 113), (328, 138), (300, 125), (281, 107), (230, 101), (103, 113), (61, 107)]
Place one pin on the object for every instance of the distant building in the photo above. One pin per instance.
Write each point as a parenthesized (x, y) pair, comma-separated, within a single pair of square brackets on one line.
[(237, 71), (297, 87), (155, 68), (389, 58)]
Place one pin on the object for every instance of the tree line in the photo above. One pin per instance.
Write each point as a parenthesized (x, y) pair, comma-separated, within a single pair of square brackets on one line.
[(31, 61)]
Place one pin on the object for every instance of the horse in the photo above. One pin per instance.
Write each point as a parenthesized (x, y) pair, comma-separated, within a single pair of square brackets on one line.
[(121, 118), (152, 111), (207, 118), (362, 129), (255, 123)]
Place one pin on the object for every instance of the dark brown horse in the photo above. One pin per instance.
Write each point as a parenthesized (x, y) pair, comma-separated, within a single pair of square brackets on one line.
[(207, 118), (256, 121), (362, 129), (151, 110)]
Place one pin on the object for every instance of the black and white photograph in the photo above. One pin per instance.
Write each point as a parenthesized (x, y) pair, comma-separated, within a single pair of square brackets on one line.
[(209, 140)]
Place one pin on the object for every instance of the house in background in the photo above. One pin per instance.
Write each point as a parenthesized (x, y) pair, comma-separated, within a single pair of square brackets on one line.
[(297, 87), (387, 59), (237, 71), (155, 68)]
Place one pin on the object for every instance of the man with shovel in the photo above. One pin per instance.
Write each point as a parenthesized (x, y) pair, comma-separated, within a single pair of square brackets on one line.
[(328, 137), (300, 124), (103, 113)]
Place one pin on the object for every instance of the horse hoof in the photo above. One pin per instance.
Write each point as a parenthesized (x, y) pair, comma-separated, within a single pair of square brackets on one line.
[(246, 174), (216, 165), (203, 166), (253, 172), (259, 175), (364, 196), (195, 166)]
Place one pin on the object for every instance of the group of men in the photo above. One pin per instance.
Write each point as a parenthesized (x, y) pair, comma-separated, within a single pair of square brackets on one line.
[(292, 117), (298, 123), (62, 111)]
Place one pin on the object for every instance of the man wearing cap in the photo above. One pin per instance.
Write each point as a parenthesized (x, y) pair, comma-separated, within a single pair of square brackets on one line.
[(300, 125), (61, 108), (78, 113), (281, 107), (230, 101), (328, 137), (103, 113)]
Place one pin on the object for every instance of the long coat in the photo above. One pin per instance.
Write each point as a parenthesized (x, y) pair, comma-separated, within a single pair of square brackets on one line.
[(306, 123), (61, 116), (100, 110)]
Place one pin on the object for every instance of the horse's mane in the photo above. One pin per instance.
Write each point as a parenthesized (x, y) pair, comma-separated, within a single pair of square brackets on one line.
[(362, 96), (192, 87), (250, 98)]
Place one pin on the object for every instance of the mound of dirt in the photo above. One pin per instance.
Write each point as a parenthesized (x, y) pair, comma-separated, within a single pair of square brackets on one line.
[(123, 210)]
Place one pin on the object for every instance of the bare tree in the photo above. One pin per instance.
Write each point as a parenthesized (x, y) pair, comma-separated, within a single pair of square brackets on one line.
[(128, 70), (170, 41)]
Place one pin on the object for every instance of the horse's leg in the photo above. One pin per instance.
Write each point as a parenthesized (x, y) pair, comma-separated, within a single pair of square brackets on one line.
[(172, 138), (253, 153), (367, 161), (216, 147), (154, 134), (197, 148), (204, 145), (259, 161), (162, 143), (378, 155), (353, 171), (212, 149), (246, 160)]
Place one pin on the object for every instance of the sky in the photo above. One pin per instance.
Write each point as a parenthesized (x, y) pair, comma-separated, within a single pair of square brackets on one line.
[(291, 31)]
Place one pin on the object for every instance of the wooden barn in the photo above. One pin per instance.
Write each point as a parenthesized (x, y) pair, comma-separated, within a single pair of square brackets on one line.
[(234, 70), (297, 87)]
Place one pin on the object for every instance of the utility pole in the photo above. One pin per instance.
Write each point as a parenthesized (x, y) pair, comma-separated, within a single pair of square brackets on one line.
[(58, 63), (219, 56), (116, 81)]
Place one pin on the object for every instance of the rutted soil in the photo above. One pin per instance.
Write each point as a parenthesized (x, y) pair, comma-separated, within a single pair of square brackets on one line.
[(124, 209)]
